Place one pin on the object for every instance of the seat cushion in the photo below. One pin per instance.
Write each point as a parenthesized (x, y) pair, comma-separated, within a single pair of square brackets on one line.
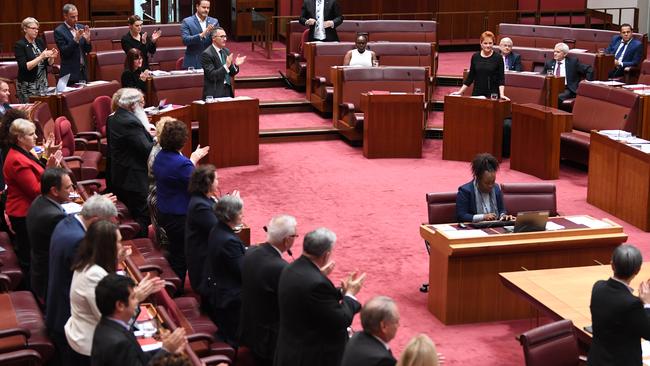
[(574, 146), (29, 316)]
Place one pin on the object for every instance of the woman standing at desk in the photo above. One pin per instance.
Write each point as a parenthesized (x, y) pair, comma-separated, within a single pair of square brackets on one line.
[(481, 199), (32, 58), (485, 71)]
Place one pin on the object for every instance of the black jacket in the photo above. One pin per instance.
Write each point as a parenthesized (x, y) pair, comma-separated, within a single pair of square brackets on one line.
[(129, 145), (199, 222), (260, 315), (114, 345), (331, 11), (131, 79), (575, 71), (365, 350), (42, 217), (619, 322), (314, 317), (129, 42), (24, 53), (214, 74)]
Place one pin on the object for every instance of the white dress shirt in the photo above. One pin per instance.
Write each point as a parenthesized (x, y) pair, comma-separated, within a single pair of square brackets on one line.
[(202, 23), (319, 29), (562, 66)]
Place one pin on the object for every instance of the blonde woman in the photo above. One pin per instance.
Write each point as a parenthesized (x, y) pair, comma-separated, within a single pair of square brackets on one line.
[(420, 351)]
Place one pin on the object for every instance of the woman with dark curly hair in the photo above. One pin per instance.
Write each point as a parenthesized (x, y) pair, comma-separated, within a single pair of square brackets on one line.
[(481, 199), (172, 172)]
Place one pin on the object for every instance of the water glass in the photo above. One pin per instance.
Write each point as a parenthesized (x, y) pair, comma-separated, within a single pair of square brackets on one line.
[(190, 69), (417, 91), (549, 72), (494, 96), (82, 83), (375, 63), (209, 99)]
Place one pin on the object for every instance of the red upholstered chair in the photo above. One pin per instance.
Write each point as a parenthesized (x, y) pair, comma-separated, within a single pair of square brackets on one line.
[(441, 207), (179, 63), (303, 39), (552, 344), (519, 197), (10, 272), (83, 163), (101, 108)]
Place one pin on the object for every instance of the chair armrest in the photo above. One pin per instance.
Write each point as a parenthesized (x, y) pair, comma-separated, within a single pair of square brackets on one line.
[(21, 357), (170, 288), (150, 268), (346, 108), (80, 143), (89, 135), (215, 360), (5, 283), (6, 333), (198, 337), (73, 158), (293, 58), (318, 86), (96, 183)]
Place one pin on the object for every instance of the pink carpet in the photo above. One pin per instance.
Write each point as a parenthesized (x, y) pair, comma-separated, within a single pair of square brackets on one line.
[(272, 94), (293, 120), (435, 120), (256, 62), (453, 63), (375, 207)]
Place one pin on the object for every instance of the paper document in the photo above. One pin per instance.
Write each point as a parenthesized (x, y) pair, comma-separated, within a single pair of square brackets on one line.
[(588, 222), (159, 73), (444, 227), (71, 208), (550, 226), (97, 82), (461, 234)]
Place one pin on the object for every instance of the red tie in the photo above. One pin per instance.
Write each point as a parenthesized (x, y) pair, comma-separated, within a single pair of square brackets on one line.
[(557, 70)]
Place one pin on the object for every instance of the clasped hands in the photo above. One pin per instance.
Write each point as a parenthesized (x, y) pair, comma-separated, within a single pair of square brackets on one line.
[(237, 60), (350, 285), (154, 36), (85, 33), (326, 24), (52, 151)]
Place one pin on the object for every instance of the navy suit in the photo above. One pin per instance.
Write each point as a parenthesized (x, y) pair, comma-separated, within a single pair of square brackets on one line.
[(631, 57), (200, 221), (575, 71), (364, 349), (71, 53), (619, 322), (466, 202), (513, 62), (191, 35)]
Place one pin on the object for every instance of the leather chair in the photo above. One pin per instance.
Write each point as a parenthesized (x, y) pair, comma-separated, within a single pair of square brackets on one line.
[(520, 197), (101, 108), (109, 65), (10, 273), (77, 106), (644, 77), (552, 344), (179, 63), (42, 118), (170, 35), (9, 74), (83, 163), (166, 58), (441, 208)]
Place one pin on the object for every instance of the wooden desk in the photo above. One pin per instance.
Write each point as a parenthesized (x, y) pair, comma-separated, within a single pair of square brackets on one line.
[(463, 282), (564, 293), (472, 126), (231, 129), (535, 139), (619, 180), (554, 86), (392, 125), (182, 113)]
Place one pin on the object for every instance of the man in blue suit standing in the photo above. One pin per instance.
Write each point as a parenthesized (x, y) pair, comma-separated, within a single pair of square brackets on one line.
[(626, 49), (195, 32), (73, 41)]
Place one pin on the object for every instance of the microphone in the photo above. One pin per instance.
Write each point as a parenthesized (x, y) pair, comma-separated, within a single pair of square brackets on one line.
[(290, 254)]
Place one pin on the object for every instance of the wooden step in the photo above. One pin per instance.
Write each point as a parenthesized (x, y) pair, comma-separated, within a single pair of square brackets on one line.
[(285, 106), (267, 81), (298, 134)]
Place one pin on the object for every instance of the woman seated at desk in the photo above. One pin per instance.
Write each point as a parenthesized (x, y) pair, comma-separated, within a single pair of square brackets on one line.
[(134, 76), (360, 56), (481, 199)]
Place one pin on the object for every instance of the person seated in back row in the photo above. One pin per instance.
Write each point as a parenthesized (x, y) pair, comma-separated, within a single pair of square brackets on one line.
[(569, 67), (360, 56), (511, 60), (627, 51), (481, 199)]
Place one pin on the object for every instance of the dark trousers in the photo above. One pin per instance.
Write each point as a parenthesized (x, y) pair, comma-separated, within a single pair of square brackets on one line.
[(78, 359), (174, 226), (617, 72), (63, 355), (136, 202), (505, 145), (566, 94), (227, 321), (22, 247)]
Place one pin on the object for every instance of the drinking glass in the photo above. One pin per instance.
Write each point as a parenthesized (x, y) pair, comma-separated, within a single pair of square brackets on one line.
[(190, 69), (375, 63), (209, 99), (494, 96)]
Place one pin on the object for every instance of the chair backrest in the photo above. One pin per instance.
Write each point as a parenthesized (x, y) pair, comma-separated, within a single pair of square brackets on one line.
[(551, 344), (520, 197), (77, 104), (42, 117), (170, 35), (63, 134), (109, 65), (526, 88), (9, 74), (600, 107), (644, 77), (101, 108), (304, 37), (441, 207), (167, 58), (177, 89)]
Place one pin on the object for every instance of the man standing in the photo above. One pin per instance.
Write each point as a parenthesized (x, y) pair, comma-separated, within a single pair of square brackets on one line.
[(219, 67), (43, 216), (619, 318), (511, 60), (322, 17), (129, 145), (4, 98), (315, 315), (261, 271), (73, 41), (380, 320), (626, 49), (195, 32), (569, 67)]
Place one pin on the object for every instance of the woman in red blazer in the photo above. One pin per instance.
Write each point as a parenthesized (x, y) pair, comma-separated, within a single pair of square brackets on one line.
[(22, 171)]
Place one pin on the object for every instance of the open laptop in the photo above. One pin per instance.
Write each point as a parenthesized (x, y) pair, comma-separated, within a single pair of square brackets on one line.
[(60, 85), (530, 221)]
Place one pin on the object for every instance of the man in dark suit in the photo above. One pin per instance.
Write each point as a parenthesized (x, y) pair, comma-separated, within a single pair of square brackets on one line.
[(322, 17), (619, 318), (315, 315), (129, 144), (195, 32), (380, 320), (113, 342), (261, 271), (511, 60), (4, 98), (219, 66), (66, 237), (569, 67), (43, 216), (626, 49), (73, 41)]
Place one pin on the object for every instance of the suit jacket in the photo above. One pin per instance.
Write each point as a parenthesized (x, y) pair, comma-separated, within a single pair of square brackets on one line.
[(22, 172), (260, 315), (42, 217), (6, 107), (513, 61), (222, 268), (575, 71), (191, 35), (633, 53), (314, 317), (466, 202), (71, 53), (25, 53), (114, 345), (214, 74), (331, 11), (200, 221), (619, 322), (129, 145), (363, 349), (66, 238)]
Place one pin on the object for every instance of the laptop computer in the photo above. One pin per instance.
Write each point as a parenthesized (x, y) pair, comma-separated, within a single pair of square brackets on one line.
[(529, 221), (60, 85)]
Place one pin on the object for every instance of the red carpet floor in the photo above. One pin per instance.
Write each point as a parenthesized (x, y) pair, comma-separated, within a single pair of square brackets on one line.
[(375, 207), (293, 120), (271, 94)]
